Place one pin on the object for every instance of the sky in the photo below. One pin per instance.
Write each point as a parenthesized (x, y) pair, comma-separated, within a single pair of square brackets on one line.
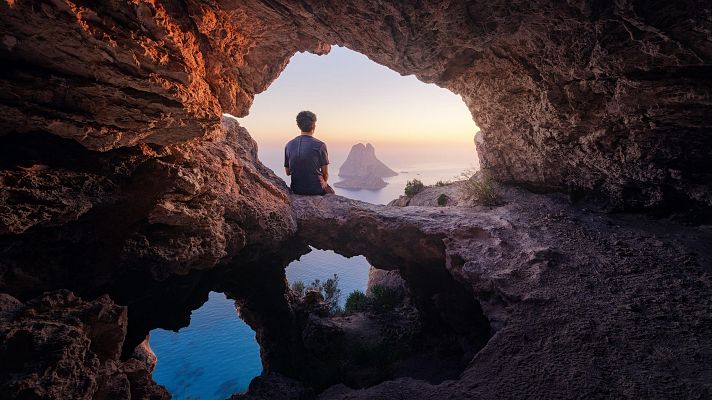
[(358, 101)]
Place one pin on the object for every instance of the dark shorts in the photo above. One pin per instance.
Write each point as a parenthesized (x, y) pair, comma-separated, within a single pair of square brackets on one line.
[(327, 190)]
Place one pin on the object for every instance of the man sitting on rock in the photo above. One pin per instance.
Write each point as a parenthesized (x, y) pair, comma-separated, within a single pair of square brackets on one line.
[(306, 159)]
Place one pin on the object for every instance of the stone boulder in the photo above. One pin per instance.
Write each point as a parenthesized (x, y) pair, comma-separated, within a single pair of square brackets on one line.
[(59, 346)]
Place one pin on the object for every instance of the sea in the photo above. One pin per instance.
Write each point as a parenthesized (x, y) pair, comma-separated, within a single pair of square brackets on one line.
[(217, 354)]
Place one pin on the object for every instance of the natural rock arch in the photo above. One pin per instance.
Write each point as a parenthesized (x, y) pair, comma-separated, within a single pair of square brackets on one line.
[(585, 95)]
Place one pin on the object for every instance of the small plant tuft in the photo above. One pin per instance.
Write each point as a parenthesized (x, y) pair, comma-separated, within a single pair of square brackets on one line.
[(442, 199), (413, 187), (329, 290), (479, 189), (357, 301), (442, 183)]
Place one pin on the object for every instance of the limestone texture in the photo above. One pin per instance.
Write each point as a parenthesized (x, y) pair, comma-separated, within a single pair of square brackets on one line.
[(580, 302), (59, 346), (161, 209), (590, 97), (453, 192)]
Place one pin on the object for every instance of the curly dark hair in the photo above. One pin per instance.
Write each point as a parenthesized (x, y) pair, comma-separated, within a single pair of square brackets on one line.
[(306, 121)]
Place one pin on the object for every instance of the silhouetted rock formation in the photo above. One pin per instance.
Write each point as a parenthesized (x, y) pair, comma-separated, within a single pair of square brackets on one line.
[(363, 170), (362, 161)]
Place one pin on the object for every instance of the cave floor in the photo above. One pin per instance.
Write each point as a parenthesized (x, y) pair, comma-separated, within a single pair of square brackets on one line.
[(582, 303)]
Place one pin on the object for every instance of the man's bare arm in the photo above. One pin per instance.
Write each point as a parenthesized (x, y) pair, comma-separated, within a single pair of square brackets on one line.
[(287, 171), (325, 172)]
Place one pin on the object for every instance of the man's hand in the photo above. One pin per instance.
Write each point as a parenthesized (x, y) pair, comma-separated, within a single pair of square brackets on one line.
[(325, 172)]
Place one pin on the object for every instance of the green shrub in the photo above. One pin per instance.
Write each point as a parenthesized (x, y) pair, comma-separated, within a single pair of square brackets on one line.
[(385, 297), (442, 183), (357, 301), (329, 289), (413, 187), (479, 189), (442, 199)]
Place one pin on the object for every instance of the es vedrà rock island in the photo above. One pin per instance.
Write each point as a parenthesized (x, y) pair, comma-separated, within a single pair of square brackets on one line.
[(363, 170), (574, 263)]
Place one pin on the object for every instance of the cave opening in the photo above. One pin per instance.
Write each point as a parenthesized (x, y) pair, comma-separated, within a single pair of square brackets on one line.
[(245, 320), (215, 356), (418, 131), (412, 320)]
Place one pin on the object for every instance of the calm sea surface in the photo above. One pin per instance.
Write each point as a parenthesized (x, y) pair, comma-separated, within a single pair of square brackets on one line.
[(217, 354)]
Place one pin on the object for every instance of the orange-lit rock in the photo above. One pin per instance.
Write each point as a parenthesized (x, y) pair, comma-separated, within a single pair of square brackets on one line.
[(582, 96)]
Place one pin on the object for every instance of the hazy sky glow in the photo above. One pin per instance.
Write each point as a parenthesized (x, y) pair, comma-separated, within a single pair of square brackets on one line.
[(357, 100)]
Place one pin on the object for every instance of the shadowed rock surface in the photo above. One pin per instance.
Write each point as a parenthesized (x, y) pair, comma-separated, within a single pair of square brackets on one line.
[(606, 306), (59, 346), (164, 210)]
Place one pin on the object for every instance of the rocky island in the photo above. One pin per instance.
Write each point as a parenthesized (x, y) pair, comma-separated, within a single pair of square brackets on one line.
[(363, 170)]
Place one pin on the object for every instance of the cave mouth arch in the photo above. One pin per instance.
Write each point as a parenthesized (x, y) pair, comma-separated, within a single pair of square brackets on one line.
[(604, 118), (419, 130), (430, 334)]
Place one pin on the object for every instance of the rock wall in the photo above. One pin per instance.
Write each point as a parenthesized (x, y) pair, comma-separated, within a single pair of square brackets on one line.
[(611, 97), (161, 209), (118, 73), (113, 157), (60, 346), (584, 96)]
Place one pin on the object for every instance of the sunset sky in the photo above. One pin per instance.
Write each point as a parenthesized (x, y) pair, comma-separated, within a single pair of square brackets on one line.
[(357, 100)]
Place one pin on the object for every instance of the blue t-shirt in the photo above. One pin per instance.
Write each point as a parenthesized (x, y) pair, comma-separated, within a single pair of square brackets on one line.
[(304, 156)]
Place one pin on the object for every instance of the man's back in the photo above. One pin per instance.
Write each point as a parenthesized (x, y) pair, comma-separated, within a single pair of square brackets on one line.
[(304, 156)]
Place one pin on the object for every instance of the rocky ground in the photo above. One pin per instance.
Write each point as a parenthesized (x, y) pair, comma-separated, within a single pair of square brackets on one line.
[(581, 303), (453, 192), (554, 299)]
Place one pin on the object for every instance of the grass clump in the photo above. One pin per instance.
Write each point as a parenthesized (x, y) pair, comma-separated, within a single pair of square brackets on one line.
[(479, 188), (442, 183), (442, 199), (413, 187)]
